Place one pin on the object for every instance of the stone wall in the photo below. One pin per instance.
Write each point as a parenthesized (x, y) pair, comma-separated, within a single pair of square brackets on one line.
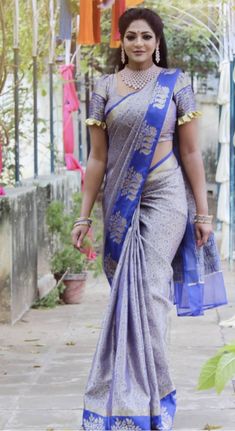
[(24, 244)]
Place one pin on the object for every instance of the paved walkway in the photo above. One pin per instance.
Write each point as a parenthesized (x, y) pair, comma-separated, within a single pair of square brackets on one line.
[(45, 359)]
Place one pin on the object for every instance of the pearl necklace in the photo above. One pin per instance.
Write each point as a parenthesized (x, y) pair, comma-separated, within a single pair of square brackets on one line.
[(137, 79)]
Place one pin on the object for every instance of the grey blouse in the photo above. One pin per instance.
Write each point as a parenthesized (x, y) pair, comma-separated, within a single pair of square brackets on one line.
[(182, 106)]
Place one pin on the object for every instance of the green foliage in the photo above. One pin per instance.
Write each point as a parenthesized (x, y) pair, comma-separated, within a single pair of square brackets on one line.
[(55, 216), (218, 370), (68, 258), (52, 299), (25, 77), (207, 376), (49, 301), (190, 29), (60, 224)]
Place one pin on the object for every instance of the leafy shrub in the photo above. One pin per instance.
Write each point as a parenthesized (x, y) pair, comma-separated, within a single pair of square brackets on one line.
[(218, 370)]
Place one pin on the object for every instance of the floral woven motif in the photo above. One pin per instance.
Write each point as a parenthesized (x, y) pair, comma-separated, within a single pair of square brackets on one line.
[(117, 227), (110, 265), (160, 96), (125, 424), (131, 184), (93, 423), (145, 139)]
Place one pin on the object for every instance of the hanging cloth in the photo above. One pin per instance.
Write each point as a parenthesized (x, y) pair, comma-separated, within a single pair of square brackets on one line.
[(70, 105), (89, 27), (96, 22), (65, 20), (86, 34), (224, 83), (105, 4), (2, 193), (131, 3), (117, 10)]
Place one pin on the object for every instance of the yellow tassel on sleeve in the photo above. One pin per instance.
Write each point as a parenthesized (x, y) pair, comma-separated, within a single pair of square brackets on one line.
[(94, 122), (188, 117)]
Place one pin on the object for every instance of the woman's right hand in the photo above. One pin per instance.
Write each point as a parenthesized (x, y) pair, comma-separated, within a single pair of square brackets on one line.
[(78, 234)]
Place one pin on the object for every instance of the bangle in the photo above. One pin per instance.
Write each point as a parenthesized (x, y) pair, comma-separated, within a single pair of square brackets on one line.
[(204, 219), (84, 221), (83, 218), (81, 224)]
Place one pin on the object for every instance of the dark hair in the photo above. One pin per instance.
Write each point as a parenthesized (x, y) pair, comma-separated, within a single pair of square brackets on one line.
[(156, 24)]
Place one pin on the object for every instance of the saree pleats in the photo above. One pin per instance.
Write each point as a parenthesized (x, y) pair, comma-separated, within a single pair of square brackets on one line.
[(130, 380)]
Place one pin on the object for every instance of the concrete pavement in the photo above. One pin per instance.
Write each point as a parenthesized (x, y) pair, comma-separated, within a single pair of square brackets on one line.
[(45, 359)]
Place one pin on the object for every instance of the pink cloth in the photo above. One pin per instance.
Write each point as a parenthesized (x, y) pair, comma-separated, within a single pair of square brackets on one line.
[(70, 105)]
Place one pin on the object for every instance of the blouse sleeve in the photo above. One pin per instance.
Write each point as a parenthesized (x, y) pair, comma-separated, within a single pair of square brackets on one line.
[(97, 103), (185, 100)]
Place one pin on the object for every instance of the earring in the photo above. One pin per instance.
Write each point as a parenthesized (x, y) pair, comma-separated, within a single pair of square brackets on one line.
[(157, 55), (123, 58)]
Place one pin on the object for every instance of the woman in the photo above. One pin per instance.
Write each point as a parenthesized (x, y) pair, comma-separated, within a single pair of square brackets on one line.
[(148, 221)]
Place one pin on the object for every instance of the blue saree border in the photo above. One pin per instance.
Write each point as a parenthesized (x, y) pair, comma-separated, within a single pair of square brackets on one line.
[(164, 421), (129, 195)]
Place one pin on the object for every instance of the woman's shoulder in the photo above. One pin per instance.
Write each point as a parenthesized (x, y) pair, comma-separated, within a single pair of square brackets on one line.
[(182, 78), (182, 81), (102, 84)]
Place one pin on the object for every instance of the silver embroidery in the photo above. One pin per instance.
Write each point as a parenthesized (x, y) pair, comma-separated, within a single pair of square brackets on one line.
[(125, 424), (94, 424), (145, 138), (166, 419), (182, 82), (117, 226), (131, 184), (110, 266), (160, 96), (170, 71)]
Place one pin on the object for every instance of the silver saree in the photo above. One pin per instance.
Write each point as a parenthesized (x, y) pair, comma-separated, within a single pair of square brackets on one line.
[(129, 387)]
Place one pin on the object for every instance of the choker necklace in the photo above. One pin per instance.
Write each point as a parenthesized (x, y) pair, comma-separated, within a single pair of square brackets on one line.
[(137, 79)]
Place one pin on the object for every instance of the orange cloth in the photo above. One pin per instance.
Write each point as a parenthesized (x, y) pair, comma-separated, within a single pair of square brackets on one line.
[(131, 3), (96, 21), (117, 10), (89, 26)]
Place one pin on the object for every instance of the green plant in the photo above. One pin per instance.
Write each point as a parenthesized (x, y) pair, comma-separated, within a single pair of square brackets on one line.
[(218, 370), (65, 256), (68, 259), (52, 299)]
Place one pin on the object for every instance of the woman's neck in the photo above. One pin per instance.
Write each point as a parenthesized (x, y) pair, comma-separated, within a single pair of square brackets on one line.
[(139, 66)]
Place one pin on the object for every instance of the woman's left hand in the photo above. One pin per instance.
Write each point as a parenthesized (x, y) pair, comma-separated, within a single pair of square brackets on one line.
[(202, 231)]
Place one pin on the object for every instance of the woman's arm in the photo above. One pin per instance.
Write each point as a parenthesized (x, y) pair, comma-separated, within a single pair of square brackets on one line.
[(95, 172), (95, 169), (193, 165)]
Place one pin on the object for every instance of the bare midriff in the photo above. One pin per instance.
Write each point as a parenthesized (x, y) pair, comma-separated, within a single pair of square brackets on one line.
[(163, 148)]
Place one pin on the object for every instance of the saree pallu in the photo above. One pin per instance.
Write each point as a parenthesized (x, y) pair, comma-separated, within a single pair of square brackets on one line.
[(129, 387)]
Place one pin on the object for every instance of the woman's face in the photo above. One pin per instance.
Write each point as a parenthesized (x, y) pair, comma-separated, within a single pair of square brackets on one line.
[(139, 43)]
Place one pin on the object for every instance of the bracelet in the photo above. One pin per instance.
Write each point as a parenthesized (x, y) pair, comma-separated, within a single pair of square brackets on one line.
[(83, 221), (83, 218), (204, 219), (81, 224)]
